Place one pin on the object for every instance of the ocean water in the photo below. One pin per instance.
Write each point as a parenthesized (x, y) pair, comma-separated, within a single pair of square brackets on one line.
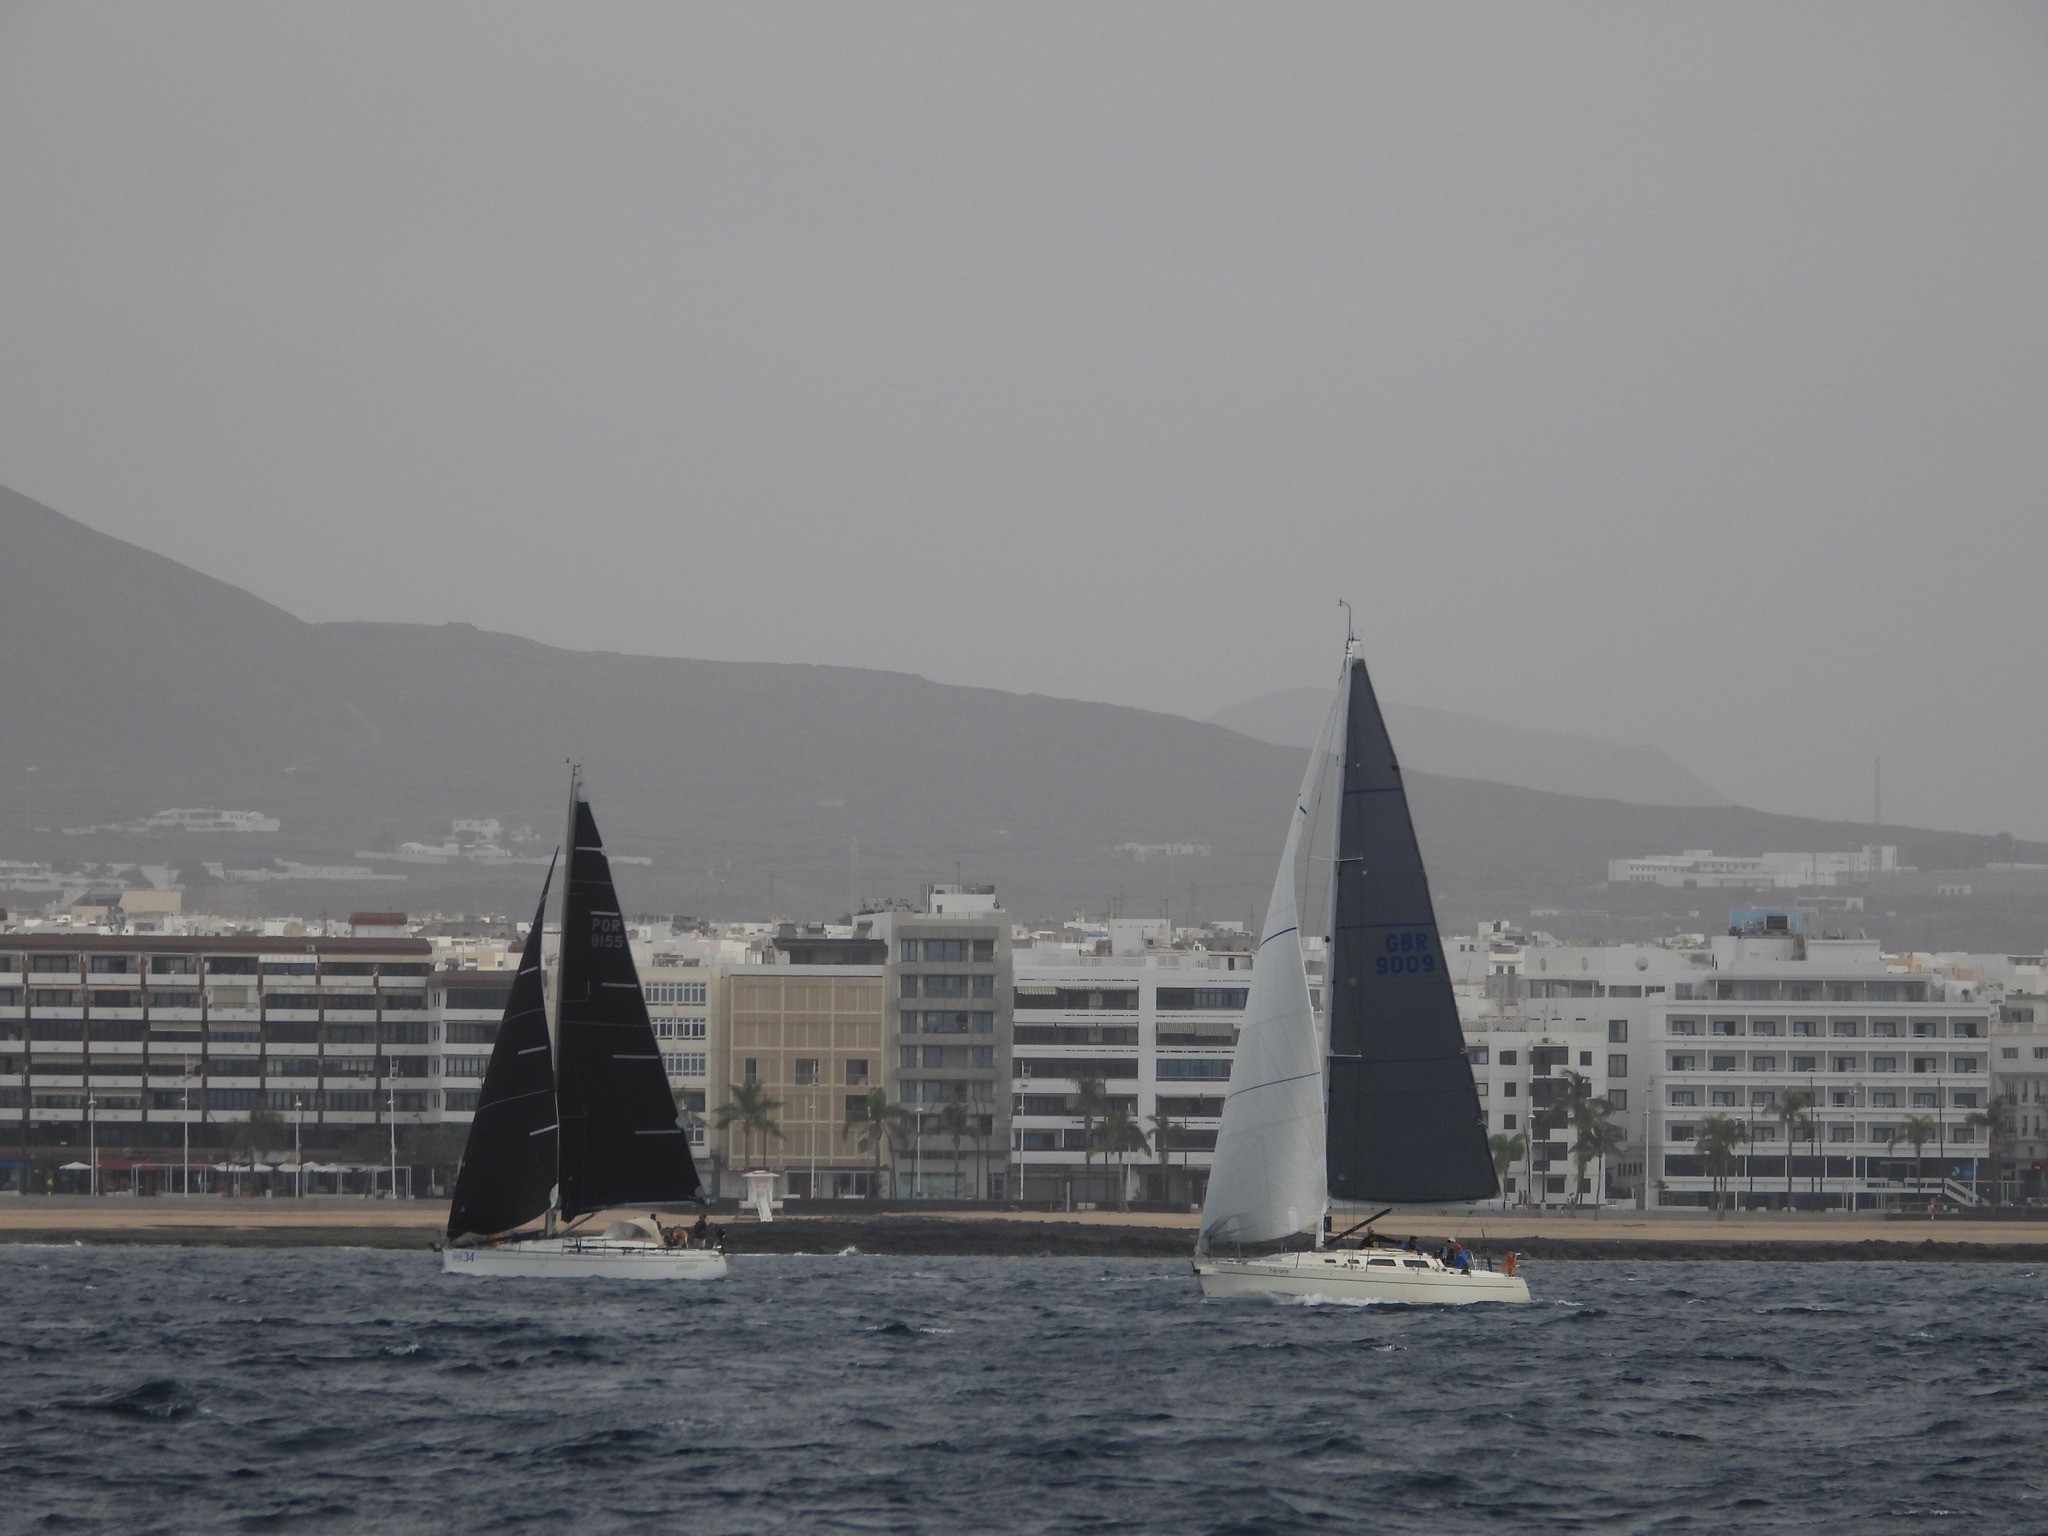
[(352, 1390)]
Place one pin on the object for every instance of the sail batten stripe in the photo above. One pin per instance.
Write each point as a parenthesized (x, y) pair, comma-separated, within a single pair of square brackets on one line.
[(1269, 938), (1274, 1083)]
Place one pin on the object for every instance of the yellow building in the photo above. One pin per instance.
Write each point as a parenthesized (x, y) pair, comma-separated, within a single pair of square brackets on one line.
[(811, 1038)]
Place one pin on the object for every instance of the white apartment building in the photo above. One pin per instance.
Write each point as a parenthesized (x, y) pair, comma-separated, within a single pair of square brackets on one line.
[(1158, 1026), (1730, 1026), (1703, 869)]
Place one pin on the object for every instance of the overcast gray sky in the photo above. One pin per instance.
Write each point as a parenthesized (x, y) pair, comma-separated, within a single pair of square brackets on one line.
[(1677, 374)]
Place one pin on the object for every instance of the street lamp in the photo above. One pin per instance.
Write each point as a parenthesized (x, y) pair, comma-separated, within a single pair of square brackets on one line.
[(298, 1157), (391, 1118), (185, 1088), (92, 1134)]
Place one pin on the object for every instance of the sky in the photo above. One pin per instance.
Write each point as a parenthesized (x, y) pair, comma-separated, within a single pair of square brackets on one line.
[(1671, 374)]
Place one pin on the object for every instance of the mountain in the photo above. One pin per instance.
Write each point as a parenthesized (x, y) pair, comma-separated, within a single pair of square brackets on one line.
[(133, 684), (1470, 747)]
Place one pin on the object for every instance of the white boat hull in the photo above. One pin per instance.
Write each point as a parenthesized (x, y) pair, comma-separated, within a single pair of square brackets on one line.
[(1404, 1278), (584, 1258)]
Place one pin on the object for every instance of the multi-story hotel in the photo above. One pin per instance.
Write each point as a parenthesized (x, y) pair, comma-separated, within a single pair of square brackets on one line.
[(1157, 1027)]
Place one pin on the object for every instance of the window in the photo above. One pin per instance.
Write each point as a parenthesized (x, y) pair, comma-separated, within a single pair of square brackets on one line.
[(1926, 1029), (1805, 1063), (1724, 1063), (1763, 1026), (1843, 1098), (50, 965), (983, 1022), (805, 1072), (909, 987), (1926, 1063), (1685, 1098), (1617, 1065), (1847, 1029), (1727, 1027), (1885, 1029), (1807, 1029), (1763, 1063), (984, 986), (2041, 1053), (1841, 1133), (856, 1071), (751, 1071), (1508, 1090), (1685, 1026), (52, 997), (2008, 1053), (1722, 1098), (1678, 1130), (1964, 1029), (1507, 1058), (1507, 1122), (943, 986), (1476, 1054), (1682, 1063), (945, 951), (1199, 999), (906, 1057), (985, 950), (1965, 1064), (981, 1056), (1585, 1058), (686, 994), (1923, 1098), (1617, 1031), (1884, 1098), (1618, 1097), (1884, 1063), (1844, 1064), (934, 1056), (1194, 1066), (1762, 1098), (1481, 1087)]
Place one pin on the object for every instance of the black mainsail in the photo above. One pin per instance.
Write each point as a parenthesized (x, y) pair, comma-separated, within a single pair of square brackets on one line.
[(508, 1164), (622, 1142), (1404, 1119)]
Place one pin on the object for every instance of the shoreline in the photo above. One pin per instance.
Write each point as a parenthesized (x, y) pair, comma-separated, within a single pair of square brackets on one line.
[(1633, 1237)]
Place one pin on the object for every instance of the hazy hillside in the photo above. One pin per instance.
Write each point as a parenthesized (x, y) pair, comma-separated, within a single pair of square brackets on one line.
[(135, 684), (1469, 747)]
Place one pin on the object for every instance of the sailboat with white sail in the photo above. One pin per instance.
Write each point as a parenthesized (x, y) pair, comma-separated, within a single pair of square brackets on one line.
[(576, 1120), (1377, 1101)]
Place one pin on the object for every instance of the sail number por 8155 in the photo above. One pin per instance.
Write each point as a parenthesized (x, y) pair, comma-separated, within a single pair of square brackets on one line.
[(607, 932), (1408, 954)]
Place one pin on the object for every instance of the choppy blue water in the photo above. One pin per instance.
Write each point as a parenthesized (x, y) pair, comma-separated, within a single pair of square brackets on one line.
[(211, 1389)]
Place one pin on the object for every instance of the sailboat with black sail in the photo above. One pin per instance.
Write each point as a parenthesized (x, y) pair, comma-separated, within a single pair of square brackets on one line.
[(576, 1120), (1378, 1104)]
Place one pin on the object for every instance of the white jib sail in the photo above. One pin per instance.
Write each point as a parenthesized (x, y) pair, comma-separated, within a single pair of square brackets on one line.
[(1268, 1177)]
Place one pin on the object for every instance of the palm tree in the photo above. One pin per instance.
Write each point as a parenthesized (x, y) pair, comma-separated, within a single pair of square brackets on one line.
[(1163, 1133), (956, 1125), (875, 1121), (1121, 1134), (1795, 1108), (1919, 1130), (1717, 1141), (1598, 1138), (1996, 1118), (1507, 1151), (1091, 1100), (751, 1110), (263, 1130)]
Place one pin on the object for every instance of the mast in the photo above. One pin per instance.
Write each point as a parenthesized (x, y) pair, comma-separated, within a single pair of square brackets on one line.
[(568, 857)]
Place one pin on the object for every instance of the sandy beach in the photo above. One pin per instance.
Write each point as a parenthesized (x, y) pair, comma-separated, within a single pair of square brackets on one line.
[(207, 1220)]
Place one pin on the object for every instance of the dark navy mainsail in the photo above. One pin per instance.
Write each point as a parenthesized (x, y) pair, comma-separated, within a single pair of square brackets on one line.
[(508, 1164), (1404, 1119), (622, 1140)]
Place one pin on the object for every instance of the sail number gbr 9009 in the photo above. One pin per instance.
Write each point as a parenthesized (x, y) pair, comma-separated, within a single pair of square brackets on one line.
[(607, 931), (1407, 954)]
